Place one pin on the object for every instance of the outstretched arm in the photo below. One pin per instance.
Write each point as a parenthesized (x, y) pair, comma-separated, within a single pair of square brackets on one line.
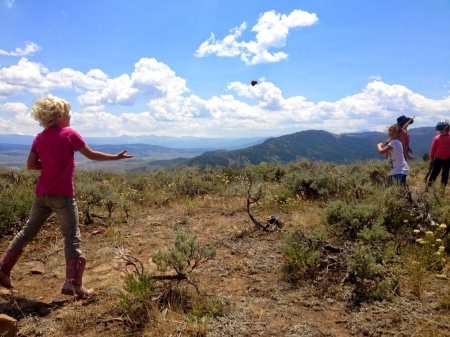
[(101, 156)]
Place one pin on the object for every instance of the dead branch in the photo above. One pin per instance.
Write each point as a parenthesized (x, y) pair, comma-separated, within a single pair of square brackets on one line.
[(274, 223), (130, 260), (138, 268)]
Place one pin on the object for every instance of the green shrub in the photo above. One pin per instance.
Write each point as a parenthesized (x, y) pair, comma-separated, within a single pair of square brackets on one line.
[(267, 172), (15, 205), (387, 289), (375, 234), (136, 299), (372, 279), (363, 263), (349, 219), (396, 209), (184, 256), (301, 252)]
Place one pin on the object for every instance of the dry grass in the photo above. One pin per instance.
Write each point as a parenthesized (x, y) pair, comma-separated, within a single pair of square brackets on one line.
[(242, 285), (444, 299)]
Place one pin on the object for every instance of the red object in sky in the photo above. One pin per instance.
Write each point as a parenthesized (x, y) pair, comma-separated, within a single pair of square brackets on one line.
[(254, 82)]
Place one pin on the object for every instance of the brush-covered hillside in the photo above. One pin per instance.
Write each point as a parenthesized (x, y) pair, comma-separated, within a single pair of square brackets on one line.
[(313, 145)]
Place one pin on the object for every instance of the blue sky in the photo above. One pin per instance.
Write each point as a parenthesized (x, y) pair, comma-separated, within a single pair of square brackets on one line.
[(183, 68)]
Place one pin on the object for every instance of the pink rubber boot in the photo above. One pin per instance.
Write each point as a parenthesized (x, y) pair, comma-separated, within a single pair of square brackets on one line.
[(6, 264), (74, 275)]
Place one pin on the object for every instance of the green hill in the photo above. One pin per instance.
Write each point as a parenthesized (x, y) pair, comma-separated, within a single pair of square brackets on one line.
[(315, 145)]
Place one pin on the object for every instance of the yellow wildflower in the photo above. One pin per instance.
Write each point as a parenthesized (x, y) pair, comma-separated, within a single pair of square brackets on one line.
[(416, 231), (429, 233), (443, 226)]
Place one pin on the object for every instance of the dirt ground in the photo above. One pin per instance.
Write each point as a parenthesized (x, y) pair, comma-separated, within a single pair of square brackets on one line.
[(246, 272)]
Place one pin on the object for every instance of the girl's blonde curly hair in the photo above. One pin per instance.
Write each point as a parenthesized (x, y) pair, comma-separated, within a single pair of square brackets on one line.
[(46, 109)]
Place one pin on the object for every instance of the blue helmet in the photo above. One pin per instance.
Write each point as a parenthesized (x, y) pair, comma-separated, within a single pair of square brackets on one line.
[(442, 125)]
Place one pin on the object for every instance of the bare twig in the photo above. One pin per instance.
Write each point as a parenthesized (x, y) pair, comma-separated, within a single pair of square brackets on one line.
[(274, 223)]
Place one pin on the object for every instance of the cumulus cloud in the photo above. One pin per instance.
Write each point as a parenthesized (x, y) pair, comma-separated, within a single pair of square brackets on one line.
[(14, 108), (271, 32), (15, 119), (30, 48), (378, 105), (35, 78), (149, 78), (244, 110)]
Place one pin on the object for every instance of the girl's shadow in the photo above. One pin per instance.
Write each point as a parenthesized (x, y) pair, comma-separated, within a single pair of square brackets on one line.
[(19, 307)]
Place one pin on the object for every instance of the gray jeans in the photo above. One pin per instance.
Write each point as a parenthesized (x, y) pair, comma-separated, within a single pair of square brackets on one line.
[(66, 211)]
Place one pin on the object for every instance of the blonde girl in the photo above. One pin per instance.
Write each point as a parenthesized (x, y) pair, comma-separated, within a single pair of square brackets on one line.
[(393, 151), (53, 154)]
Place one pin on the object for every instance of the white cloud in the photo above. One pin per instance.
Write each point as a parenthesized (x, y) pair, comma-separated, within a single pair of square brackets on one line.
[(15, 119), (10, 3), (149, 78), (35, 78), (375, 77), (271, 32), (227, 47), (245, 111), (14, 108), (30, 48), (378, 105), (7, 90)]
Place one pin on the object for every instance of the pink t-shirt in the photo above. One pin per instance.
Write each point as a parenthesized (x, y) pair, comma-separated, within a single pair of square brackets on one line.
[(56, 148), (440, 148), (406, 137)]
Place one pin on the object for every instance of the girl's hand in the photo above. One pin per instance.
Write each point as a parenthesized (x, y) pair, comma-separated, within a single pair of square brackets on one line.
[(123, 155)]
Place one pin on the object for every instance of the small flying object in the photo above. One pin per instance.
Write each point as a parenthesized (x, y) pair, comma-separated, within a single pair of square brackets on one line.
[(254, 82)]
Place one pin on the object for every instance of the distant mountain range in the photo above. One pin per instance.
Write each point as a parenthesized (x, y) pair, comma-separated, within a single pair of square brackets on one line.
[(15, 155), (14, 150), (315, 145), (206, 144)]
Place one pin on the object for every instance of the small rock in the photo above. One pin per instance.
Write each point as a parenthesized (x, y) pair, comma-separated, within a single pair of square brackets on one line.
[(8, 326), (38, 269)]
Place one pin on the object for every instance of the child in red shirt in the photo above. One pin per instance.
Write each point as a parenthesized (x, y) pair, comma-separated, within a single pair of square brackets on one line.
[(53, 153), (404, 122), (440, 153)]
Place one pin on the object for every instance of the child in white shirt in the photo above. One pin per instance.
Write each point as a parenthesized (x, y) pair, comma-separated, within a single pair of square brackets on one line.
[(393, 150)]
